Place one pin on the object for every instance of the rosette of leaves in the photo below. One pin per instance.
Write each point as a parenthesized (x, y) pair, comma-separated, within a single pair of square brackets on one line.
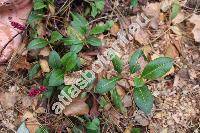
[(79, 33), (153, 70), (69, 62), (143, 97)]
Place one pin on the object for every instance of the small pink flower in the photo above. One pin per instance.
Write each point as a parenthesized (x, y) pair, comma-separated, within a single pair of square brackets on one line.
[(35, 91), (17, 25)]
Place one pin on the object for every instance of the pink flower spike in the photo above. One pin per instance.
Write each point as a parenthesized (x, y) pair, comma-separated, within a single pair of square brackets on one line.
[(17, 25), (42, 88)]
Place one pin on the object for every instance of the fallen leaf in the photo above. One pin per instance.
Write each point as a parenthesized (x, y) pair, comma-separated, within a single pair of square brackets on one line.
[(71, 78), (147, 50), (8, 99), (45, 52), (31, 122), (94, 113), (115, 29), (114, 116), (7, 31), (128, 129), (44, 65), (171, 51), (141, 120), (195, 19), (152, 9), (26, 101), (120, 91), (142, 37), (21, 64), (166, 5), (77, 107), (127, 101)]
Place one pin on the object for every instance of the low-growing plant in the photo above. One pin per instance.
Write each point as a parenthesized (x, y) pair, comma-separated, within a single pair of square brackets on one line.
[(79, 35), (143, 97)]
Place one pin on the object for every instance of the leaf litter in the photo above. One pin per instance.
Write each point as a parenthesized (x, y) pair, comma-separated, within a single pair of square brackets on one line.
[(175, 107)]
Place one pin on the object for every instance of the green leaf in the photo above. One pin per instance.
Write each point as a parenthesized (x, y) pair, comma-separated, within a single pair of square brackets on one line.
[(134, 66), (76, 129), (55, 36), (98, 29), (37, 43), (48, 93), (33, 71), (94, 11), (50, 90), (143, 99), (134, 3), (76, 48), (45, 82), (105, 85), (117, 63), (71, 41), (74, 35), (54, 60), (79, 23), (175, 9), (38, 4), (93, 126), (101, 28), (23, 128), (157, 68), (56, 78), (94, 41), (138, 82), (136, 130), (69, 60), (99, 4), (42, 130), (117, 100), (79, 20), (103, 102), (34, 18)]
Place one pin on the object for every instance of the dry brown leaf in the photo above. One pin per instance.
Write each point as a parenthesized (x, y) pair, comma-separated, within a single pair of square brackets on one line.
[(147, 50), (120, 91), (152, 9), (44, 65), (77, 107), (127, 101), (171, 51), (22, 64), (70, 79), (114, 116), (128, 129), (45, 52), (26, 101), (165, 5), (8, 99), (31, 122), (142, 37), (195, 19), (141, 120), (7, 32), (115, 29)]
